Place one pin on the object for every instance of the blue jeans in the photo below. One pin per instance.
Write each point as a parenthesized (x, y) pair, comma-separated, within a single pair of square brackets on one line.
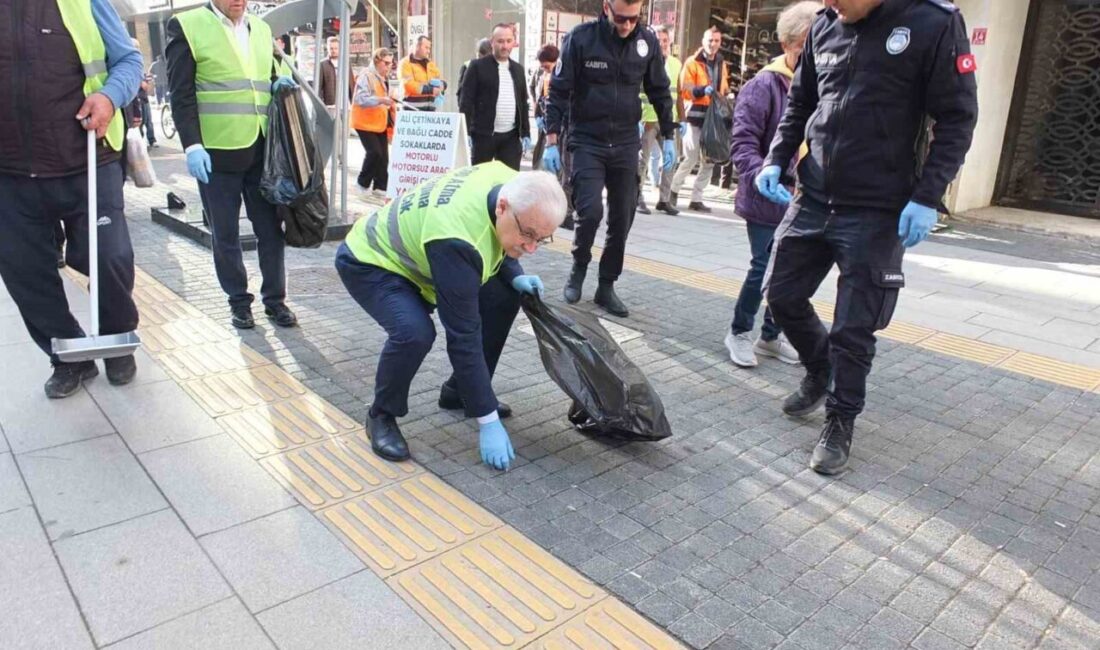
[(748, 302)]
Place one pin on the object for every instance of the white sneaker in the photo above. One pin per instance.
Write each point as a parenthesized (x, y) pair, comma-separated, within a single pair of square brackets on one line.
[(740, 347), (780, 349)]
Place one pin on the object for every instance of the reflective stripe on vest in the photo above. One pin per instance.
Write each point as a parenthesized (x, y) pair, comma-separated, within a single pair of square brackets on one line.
[(78, 19), (393, 232), (232, 88)]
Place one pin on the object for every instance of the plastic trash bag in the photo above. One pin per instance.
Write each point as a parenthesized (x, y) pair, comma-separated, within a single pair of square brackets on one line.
[(717, 128), (611, 396), (139, 167), (294, 174)]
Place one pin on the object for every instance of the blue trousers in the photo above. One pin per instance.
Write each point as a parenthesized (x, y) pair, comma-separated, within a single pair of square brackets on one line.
[(221, 198), (396, 304), (748, 301)]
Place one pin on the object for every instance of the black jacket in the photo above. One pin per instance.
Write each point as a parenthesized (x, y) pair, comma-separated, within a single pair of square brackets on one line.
[(479, 90), (185, 107), (860, 98), (597, 82)]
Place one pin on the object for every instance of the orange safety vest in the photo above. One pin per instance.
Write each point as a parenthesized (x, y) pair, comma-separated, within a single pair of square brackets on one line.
[(373, 119), (694, 74)]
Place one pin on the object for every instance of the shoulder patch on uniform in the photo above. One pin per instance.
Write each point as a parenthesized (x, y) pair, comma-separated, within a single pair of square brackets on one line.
[(946, 5), (557, 68)]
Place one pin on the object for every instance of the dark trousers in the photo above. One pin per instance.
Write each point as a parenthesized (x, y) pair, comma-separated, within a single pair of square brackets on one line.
[(505, 147), (748, 301), (147, 123), (221, 198), (865, 247), (376, 160), (595, 168), (396, 304), (29, 213)]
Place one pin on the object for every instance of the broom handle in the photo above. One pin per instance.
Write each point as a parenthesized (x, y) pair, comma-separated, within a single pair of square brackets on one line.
[(93, 236)]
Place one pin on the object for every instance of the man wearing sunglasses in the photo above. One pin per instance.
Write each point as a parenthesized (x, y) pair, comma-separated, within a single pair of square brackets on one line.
[(451, 242), (603, 67)]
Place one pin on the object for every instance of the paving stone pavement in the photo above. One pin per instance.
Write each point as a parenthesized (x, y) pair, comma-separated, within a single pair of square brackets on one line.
[(970, 518)]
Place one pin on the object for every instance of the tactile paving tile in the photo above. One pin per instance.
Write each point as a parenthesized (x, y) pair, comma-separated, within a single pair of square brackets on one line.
[(151, 294), (607, 625), (223, 394), (159, 313), (964, 348), (287, 425), (325, 473), (193, 362), (175, 335), (409, 522), (907, 332), (498, 590), (1059, 372), (712, 283)]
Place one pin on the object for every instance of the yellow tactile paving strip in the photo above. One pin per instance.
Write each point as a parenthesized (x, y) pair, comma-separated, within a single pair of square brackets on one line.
[(1024, 363), (480, 583)]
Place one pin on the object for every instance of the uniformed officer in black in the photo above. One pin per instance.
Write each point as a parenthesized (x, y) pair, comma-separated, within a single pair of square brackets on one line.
[(597, 80), (871, 74)]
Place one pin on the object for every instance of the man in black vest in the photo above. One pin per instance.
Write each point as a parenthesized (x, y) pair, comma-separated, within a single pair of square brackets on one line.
[(43, 177), (494, 101)]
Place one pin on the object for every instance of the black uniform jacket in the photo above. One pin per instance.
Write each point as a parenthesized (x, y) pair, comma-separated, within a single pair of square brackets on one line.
[(597, 81), (860, 98)]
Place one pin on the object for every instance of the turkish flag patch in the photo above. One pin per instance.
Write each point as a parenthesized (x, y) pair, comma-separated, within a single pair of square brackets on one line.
[(966, 63)]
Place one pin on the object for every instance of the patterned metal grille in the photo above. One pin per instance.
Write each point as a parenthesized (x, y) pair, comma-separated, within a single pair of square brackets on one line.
[(1053, 159)]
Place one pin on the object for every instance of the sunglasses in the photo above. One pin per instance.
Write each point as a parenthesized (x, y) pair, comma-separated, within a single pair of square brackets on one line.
[(529, 235), (623, 20)]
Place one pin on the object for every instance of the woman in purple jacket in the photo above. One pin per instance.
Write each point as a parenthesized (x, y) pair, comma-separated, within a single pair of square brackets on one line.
[(760, 105)]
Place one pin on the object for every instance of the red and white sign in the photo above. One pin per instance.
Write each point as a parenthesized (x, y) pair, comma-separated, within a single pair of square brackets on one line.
[(978, 36), (966, 63)]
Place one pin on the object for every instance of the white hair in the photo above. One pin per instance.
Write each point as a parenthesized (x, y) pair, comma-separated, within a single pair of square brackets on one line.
[(795, 21), (536, 192)]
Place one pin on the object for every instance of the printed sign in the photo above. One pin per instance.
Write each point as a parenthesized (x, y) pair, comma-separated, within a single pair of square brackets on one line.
[(425, 145), (978, 36), (418, 26)]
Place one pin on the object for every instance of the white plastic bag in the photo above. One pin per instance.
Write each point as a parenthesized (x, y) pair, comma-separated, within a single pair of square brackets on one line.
[(138, 164)]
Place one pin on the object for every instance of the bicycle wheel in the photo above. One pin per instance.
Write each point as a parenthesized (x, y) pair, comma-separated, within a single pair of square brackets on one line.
[(167, 124)]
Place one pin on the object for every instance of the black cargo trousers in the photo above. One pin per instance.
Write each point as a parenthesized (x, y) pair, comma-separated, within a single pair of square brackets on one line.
[(864, 244)]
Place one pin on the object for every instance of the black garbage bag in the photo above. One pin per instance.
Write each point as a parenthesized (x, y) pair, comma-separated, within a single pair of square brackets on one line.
[(294, 172), (717, 128), (611, 396)]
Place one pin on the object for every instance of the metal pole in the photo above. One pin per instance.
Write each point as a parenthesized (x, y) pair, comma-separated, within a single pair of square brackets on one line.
[(345, 68), (318, 32)]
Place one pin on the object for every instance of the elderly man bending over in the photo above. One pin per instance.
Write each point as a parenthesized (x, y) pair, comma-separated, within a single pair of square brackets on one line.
[(451, 242)]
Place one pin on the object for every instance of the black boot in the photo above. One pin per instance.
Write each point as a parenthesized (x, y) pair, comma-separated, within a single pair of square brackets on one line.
[(67, 378), (698, 206), (667, 208), (810, 395), (281, 315), (450, 400), (242, 317), (642, 207), (606, 298), (120, 370), (831, 453), (385, 437), (572, 291), (568, 224)]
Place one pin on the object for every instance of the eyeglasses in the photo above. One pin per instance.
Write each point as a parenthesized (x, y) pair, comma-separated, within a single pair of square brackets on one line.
[(623, 20), (531, 236)]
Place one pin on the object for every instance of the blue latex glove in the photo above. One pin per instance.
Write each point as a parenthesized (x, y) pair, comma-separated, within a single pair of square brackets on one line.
[(496, 448), (683, 129), (436, 83), (708, 91), (915, 223), (283, 82), (767, 183), (541, 124), (198, 164), (551, 159), (531, 284), (669, 154), (438, 101), (526, 145)]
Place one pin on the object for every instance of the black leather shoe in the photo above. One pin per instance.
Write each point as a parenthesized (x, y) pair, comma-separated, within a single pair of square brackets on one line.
[(120, 370), (642, 208), (242, 318), (831, 453), (667, 208), (572, 291), (698, 206), (281, 315), (569, 222), (606, 298), (67, 378), (809, 397), (386, 439), (450, 400)]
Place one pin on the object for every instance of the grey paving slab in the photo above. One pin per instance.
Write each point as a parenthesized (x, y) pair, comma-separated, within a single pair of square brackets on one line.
[(138, 574), (12, 329), (138, 412), (225, 625), (37, 608), (89, 484), (33, 421), (13, 495), (278, 557), (214, 484), (359, 611)]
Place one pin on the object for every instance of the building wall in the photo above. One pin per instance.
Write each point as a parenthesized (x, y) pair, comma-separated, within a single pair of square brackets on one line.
[(998, 61)]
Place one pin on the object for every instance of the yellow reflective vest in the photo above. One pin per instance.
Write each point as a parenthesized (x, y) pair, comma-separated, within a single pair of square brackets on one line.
[(78, 19)]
